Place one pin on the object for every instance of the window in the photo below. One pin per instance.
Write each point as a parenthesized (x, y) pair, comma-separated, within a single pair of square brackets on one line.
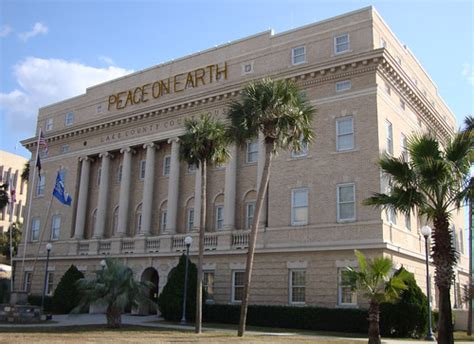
[(302, 152), (383, 44), (389, 133), (402, 104), (163, 220), (298, 55), (69, 118), (208, 285), (249, 211), (345, 134), (49, 283), (49, 124), (237, 285), (64, 149), (403, 145), (138, 219), (247, 68), (99, 172), (299, 207), (190, 219), (346, 297), (119, 173), (142, 169), (27, 281), (115, 220), (341, 43), (35, 229), (93, 219), (55, 227), (391, 216), (346, 202), (219, 216), (192, 168), (387, 88), (99, 109), (252, 152), (408, 221), (343, 85), (166, 165), (40, 186), (297, 286)]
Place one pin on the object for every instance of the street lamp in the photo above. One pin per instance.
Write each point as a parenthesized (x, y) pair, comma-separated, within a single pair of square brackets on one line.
[(188, 240), (48, 251), (426, 232), (103, 264)]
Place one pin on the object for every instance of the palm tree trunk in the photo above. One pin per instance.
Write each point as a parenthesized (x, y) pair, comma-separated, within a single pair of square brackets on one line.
[(253, 236), (469, 300), (202, 231), (114, 317), (374, 331), (444, 259)]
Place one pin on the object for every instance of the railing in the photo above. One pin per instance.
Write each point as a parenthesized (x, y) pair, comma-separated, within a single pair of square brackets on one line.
[(210, 242), (128, 246), (83, 249), (104, 247), (152, 245), (240, 240), (178, 243)]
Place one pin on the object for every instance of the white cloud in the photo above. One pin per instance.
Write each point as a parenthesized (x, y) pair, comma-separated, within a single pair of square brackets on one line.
[(107, 60), (38, 28), (45, 81), (5, 30), (468, 73)]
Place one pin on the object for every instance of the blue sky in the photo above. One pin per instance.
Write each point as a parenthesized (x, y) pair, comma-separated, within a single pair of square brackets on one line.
[(53, 50)]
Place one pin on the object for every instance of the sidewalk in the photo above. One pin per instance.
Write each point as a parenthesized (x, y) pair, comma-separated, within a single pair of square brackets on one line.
[(151, 321)]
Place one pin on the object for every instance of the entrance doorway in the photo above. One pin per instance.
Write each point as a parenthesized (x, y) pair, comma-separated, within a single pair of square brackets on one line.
[(150, 275)]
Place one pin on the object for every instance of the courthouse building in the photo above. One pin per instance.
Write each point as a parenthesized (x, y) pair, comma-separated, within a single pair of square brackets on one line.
[(117, 146)]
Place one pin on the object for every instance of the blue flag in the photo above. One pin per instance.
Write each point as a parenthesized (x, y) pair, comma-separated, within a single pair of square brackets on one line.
[(59, 191)]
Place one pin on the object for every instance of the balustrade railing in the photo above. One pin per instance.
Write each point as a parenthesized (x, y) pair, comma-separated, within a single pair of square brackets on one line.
[(210, 242), (128, 246), (104, 247), (152, 245), (240, 240), (83, 248)]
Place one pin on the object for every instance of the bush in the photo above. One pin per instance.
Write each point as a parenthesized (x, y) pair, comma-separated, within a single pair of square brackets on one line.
[(170, 301), (4, 290), (67, 296), (407, 317), (307, 318), (35, 300)]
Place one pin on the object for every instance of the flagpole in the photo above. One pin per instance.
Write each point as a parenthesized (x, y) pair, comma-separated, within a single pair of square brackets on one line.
[(12, 207), (26, 230)]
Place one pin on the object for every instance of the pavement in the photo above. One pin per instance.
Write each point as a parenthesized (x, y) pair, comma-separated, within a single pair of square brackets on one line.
[(153, 321)]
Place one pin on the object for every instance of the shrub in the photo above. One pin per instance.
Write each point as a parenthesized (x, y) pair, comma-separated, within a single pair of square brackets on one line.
[(4, 290), (407, 317), (66, 296), (170, 301), (307, 318), (35, 300)]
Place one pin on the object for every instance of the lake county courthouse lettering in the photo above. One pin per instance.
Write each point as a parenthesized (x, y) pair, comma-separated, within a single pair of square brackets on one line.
[(117, 147)]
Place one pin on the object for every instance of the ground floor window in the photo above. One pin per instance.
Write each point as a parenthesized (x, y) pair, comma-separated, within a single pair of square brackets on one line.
[(237, 285), (27, 281), (346, 297), (49, 283), (297, 286), (208, 285)]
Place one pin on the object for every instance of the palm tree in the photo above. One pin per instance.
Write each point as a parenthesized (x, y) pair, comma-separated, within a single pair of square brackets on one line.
[(435, 182), (373, 278), (115, 287), (469, 123), (204, 144), (25, 173), (4, 198), (279, 112)]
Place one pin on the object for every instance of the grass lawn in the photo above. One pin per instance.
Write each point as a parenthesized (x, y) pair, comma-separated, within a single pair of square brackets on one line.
[(135, 334)]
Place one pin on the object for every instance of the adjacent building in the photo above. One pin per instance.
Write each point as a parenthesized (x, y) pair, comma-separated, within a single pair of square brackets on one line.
[(117, 148)]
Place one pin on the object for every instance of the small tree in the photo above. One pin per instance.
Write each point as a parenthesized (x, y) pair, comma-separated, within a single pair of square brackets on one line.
[(373, 278), (115, 287), (170, 301), (5, 240), (66, 295), (408, 316)]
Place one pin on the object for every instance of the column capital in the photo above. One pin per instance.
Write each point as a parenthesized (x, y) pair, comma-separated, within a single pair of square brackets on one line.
[(150, 145), (106, 155), (173, 139), (85, 158), (127, 150)]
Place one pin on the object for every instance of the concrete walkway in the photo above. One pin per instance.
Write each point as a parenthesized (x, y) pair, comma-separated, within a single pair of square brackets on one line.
[(151, 321)]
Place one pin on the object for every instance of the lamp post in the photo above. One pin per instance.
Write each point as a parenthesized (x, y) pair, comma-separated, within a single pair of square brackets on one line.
[(426, 232), (48, 250), (103, 264), (188, 240)]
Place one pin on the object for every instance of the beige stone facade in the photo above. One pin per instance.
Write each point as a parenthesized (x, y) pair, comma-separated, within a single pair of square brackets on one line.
[(133, 199), (11, 167)]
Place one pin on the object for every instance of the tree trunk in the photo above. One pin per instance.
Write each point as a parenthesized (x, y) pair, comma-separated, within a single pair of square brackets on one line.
[(374, 331), (253, 236), (469, 300), (444, 259), (114, 317), (202, 231)]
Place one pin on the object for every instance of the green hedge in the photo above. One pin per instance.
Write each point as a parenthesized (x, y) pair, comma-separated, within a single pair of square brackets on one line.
[(307, 318), (35, 300)]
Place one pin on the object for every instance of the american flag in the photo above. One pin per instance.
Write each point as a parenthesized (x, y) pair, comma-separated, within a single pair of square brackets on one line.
[(11, 186), (42, 142)]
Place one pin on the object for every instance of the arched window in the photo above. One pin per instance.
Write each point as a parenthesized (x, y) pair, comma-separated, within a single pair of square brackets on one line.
[(138, 219), (219, 212), (249, 209), (190, 223), (163, 216), (115, 220), (93, 220)]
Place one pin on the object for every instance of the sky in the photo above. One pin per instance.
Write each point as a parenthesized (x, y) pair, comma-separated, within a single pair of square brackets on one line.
[(54, 50)]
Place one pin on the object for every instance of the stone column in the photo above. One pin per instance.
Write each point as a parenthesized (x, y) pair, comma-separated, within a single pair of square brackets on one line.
[(124, 196), (197, 198), (147, 203), (173, 187), (230, 189), (82, 198), (103, 193), (260, 163)]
